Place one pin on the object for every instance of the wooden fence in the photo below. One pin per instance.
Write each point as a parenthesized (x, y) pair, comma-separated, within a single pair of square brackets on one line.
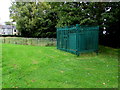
[(29, 41)]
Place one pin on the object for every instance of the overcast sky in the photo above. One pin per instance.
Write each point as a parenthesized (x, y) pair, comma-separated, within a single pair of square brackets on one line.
[(4, 10)]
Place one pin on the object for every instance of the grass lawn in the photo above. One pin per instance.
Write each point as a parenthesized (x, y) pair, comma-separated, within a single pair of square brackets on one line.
[(46, 67)]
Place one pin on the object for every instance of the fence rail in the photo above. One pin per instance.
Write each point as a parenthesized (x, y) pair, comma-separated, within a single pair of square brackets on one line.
[(29, 41)]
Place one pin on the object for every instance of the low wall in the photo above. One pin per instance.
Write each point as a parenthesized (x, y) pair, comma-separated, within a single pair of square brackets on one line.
[(29, 41)]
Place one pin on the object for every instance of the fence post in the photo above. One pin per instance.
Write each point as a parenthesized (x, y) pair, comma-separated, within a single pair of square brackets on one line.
[(38, 41), (26, 41), (77, 40), (31, 41), (9, 41), (67, 41), (4, 39), (57, 38)]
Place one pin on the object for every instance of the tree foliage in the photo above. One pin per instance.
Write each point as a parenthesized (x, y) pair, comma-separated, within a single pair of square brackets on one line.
[(33, 19), (41, 19)]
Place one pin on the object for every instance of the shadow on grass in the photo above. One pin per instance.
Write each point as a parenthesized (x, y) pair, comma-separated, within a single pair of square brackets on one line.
[(108, 51)]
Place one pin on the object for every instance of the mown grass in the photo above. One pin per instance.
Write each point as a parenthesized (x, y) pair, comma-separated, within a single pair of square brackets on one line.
[(46, 67)]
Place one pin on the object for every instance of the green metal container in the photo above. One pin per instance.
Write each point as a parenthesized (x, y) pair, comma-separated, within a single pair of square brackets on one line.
[(78, 39)]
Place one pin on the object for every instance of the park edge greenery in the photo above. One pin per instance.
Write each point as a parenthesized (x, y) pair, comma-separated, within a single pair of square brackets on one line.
[(41, 19)]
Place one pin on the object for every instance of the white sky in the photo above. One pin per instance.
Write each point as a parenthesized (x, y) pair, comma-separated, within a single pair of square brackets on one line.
[(4, 10)]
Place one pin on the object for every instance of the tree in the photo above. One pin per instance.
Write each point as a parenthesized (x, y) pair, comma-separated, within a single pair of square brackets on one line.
[(92, 13), (111, 21), (33, 20), (41, 19)]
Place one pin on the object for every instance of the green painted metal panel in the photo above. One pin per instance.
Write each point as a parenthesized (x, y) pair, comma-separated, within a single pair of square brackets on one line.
[(78, 39), (72, 41)]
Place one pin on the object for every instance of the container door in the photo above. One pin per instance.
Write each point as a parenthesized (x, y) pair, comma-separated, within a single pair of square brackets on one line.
[(65, 41), (72, 41), (88, 43)]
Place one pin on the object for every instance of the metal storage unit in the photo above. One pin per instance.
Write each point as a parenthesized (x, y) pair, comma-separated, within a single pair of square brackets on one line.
[(78, 39)]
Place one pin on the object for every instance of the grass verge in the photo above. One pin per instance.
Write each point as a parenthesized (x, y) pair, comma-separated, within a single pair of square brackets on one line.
[(46, 67)]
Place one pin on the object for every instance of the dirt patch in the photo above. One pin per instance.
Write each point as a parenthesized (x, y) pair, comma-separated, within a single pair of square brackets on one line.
[(34, 62)]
